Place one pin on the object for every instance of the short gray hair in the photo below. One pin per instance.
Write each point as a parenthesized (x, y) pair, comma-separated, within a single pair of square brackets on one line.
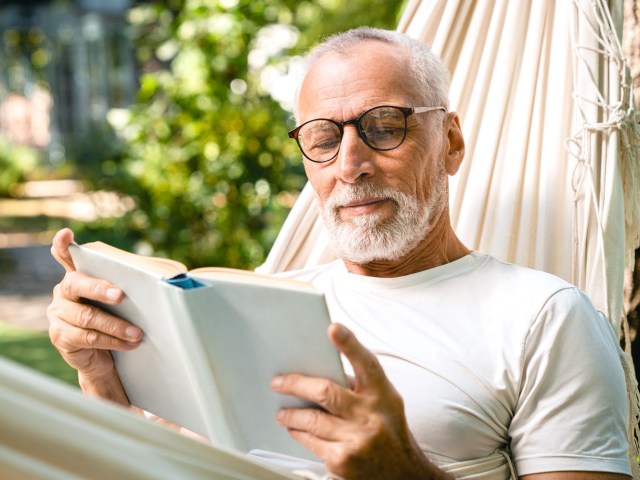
[(429, 73)]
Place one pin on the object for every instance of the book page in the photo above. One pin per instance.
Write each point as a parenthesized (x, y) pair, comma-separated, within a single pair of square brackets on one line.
[(164, 266), (251, 278)]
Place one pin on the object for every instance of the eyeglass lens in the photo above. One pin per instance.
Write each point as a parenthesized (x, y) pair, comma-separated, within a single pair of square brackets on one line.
[(382, 128)]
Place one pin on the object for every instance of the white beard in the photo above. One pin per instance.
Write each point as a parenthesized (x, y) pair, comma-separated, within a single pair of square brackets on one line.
[(366, 238)]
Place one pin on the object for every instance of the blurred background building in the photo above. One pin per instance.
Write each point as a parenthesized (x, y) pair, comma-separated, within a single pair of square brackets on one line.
[(63, 65)]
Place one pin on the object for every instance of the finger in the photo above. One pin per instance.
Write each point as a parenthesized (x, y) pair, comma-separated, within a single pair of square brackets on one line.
[(90, 317), (96, 363), (311, 420), (60, 249), (365, 365), (69, 339), (325, 450), (333, 454), (329, 395), (76, 286)]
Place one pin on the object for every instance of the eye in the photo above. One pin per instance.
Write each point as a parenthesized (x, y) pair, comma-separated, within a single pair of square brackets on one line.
[(320, 136), (383, 126), (382, 132)]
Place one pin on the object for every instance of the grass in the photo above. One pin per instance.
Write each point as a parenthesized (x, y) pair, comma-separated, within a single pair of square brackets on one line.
[(34, 349)]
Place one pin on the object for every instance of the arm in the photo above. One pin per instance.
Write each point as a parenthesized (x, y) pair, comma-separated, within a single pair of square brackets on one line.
[(84, 334), (362, 432)]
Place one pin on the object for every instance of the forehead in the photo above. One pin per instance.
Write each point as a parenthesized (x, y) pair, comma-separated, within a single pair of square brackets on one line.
[(342, 85)]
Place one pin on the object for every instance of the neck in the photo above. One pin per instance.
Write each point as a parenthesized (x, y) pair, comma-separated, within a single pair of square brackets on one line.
[(439, 246)]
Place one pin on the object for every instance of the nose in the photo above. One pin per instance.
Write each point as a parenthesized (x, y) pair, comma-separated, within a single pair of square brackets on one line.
[(355, 158)]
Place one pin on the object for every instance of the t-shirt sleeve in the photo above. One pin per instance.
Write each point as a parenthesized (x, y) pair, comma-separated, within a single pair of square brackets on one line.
[(572, 407)]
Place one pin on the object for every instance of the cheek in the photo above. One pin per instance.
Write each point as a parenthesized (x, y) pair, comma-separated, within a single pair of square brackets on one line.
[(320, 180), (412, 173), (429, 169)]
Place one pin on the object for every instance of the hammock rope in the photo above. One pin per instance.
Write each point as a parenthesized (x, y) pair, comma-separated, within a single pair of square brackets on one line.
[(615, 120)]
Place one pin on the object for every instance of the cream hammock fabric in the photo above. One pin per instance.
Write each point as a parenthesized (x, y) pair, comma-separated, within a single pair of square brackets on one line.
[(544, 96), (515, 198), (551, 177), (50, 431)]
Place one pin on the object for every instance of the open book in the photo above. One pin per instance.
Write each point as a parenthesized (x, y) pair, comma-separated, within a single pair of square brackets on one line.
[(214, 337)]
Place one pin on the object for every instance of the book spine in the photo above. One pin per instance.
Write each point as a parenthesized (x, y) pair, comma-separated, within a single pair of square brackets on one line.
[(201, 373)]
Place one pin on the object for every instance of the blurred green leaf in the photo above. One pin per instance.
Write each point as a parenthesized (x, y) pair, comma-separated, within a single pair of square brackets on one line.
[(34, 349), (205, 151)]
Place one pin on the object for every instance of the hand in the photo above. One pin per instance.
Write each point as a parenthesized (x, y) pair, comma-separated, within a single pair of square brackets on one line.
[(362, 432), (84, 334)]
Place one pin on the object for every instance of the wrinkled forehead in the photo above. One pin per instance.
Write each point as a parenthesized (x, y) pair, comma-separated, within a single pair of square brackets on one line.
[(348, 82)]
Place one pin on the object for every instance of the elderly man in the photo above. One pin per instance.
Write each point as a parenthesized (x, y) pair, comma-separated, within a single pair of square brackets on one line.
[(457, 355)]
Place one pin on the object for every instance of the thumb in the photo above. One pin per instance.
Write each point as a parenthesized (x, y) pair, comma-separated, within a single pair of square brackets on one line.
[(60, 249), (366, 368)]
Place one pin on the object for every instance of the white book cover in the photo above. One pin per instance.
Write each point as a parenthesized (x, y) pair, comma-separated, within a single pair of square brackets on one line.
[(209, 353)]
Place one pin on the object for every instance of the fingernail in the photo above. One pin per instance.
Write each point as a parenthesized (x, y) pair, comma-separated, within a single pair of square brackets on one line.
[(113, 294), (133, 333), (280, 415), (276, 383)]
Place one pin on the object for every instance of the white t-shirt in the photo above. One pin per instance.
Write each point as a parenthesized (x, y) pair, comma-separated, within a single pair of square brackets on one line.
[(487, 355)]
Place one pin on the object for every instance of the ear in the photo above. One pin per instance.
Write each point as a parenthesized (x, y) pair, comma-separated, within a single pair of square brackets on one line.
[(455, 152)]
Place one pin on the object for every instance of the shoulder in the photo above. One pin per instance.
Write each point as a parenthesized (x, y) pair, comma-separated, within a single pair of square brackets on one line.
[(517, 277), (570, 373), (525, 292)]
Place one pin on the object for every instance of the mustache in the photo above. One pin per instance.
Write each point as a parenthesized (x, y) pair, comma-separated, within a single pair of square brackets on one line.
[(361, 191)]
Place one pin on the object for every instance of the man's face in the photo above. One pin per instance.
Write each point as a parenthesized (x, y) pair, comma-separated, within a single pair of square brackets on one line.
[(377, 205)]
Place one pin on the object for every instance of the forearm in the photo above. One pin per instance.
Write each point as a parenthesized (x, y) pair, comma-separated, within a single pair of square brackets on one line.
[(107, 386)]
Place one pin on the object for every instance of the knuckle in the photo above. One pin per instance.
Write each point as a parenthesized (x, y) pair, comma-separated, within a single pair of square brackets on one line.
[(312, 420), (91, 338), (66, 286), (324, 392), (95, 290), (372, 365), (59, 340), (375, 424), (86, 316), (54, 333)]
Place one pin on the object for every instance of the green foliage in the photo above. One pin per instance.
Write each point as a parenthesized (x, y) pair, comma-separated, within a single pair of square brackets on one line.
[(207, 158), (34, 349), (16, 163)]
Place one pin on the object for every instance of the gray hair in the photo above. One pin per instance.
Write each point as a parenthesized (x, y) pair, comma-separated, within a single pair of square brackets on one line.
[(426, 70)]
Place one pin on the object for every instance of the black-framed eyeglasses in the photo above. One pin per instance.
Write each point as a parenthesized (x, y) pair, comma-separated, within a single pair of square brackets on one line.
[(381, 128)]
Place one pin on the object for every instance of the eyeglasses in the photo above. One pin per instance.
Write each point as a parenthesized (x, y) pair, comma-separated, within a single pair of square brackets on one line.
[(381, 128)]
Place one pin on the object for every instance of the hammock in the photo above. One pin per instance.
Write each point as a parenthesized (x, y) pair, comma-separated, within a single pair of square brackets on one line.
[(519, 187), (551, 176)]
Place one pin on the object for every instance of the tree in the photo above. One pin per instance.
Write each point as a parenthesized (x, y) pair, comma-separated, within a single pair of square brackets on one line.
[(206, 155)]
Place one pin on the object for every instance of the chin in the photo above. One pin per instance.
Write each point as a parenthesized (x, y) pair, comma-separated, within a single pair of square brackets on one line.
[(381, 243)]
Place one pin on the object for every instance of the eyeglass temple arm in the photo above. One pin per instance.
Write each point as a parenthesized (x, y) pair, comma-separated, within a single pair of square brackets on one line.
[(428, 109)]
